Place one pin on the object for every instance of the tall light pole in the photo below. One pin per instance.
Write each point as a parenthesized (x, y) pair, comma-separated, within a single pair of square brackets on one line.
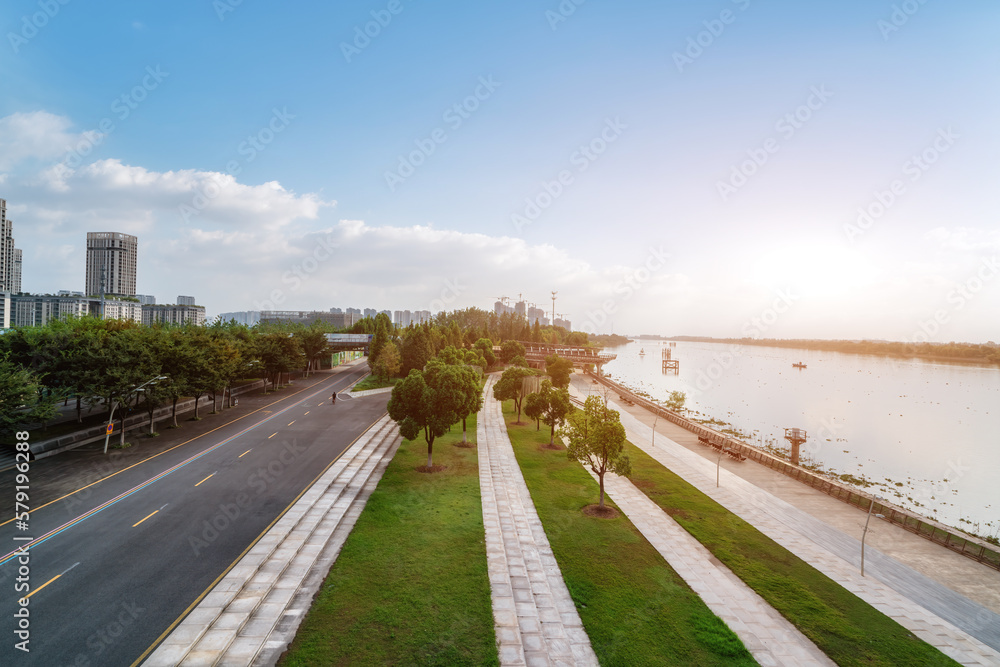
[(718, 465), (554, 309), (111, 419), (656, 418), (865, 533)]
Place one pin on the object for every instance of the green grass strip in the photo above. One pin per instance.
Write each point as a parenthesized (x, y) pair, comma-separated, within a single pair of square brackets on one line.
[(635, 608), (372, 382), (410, 586), (849, 630)]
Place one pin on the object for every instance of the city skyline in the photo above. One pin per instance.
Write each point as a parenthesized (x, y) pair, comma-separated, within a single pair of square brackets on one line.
[(788, 171)]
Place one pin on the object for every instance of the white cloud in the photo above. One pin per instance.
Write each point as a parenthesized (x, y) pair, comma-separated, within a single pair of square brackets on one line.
[(184, 195), (37, 135)]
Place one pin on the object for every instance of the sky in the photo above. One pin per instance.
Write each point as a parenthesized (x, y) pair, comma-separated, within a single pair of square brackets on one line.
[(727, 168)]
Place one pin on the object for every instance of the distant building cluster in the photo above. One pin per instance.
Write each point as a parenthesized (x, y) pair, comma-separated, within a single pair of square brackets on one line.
[(109, 282), (338, 317), (530, 312)]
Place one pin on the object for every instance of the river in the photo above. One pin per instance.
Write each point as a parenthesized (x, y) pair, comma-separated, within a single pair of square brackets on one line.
[(925, 433)]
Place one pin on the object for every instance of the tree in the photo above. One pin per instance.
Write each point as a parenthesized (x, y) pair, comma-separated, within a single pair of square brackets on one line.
[(20, 399), (417, 349), (379, 341), (278, 353), (596, 438), (240, 361), (510, 349), (200, 375), (555, 407), (126, 362), (559, 370), (534, 407), (462, 380), (676, 401), (313, 343), (387, 363), (419, 406), (510, 387), (486, 346), (519, 361), (177, 361)]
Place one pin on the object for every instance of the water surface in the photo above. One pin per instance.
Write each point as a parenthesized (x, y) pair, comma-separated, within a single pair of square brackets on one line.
[(925, 432)]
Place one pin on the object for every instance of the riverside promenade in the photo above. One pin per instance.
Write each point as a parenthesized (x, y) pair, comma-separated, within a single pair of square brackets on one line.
[(967, 631)]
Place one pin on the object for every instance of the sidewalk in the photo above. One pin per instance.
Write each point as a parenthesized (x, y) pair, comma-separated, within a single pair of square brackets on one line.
[(769, 636), (536, 620), (837, 555)]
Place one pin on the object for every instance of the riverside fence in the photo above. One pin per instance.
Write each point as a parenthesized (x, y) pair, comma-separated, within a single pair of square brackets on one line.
[(968, 546)]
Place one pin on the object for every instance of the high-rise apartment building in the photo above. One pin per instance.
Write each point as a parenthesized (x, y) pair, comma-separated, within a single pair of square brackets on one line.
[(10, 257), (173, 314), (111, 263), (185, 301)]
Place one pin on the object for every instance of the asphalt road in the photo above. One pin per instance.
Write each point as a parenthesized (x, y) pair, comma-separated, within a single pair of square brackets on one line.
[(138, 548)]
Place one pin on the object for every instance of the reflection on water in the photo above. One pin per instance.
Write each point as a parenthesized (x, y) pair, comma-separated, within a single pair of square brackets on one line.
[(925, 433)]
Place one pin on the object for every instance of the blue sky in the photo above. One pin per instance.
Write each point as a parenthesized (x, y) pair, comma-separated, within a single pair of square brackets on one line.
[(255, 165)]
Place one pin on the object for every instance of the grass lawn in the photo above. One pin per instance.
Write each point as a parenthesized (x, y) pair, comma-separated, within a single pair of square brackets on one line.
[(845, 627), (635, 608), (372, 382), (410, 586)]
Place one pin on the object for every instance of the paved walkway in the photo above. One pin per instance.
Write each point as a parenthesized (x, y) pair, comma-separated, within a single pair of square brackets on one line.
[(767, 634), (368, 392), (253, 613), (835, 554), (536, 620)]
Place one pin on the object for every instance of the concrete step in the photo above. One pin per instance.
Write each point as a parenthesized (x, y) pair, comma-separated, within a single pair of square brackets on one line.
[(233, 622)]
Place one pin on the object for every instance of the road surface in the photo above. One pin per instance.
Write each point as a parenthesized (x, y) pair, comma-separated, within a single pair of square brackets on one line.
[(108, 578)]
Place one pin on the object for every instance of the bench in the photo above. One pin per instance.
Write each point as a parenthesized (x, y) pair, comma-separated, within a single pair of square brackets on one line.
[(736, 455)]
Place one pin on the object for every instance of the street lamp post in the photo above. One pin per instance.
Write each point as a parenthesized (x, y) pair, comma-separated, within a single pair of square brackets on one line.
[(111, 419), (865, 533), (718, 465)]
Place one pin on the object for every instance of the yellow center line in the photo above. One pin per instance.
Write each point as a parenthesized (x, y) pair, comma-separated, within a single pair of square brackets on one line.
[(243, 454), (42, 586), (291, 422), (272, 435), (210, 476), (144, 518)]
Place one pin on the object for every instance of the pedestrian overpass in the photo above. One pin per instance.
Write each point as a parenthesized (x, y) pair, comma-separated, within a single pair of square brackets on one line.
[(348, 342)]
